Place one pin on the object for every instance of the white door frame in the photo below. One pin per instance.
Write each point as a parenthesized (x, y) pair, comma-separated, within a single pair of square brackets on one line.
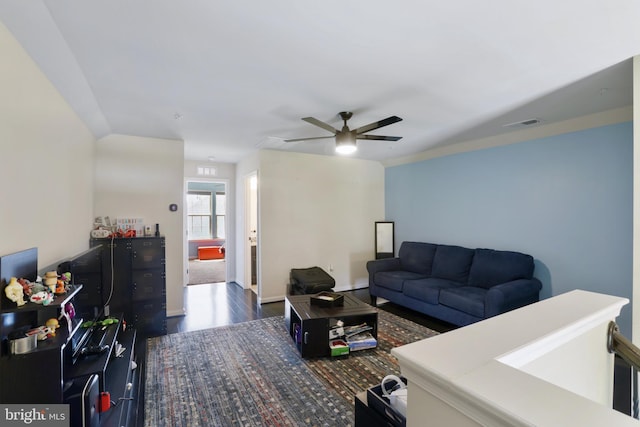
[(251, 211), (225, 182)]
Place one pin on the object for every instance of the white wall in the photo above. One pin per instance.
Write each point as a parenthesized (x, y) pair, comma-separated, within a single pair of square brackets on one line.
[(47, 163), (316, 211), (139, 178)]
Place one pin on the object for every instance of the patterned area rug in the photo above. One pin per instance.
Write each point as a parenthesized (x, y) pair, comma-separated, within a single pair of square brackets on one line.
[(251, 374)]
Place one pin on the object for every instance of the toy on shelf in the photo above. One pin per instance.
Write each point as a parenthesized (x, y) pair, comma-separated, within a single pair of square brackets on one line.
[(52, 324), (26, 286), (42, 297), (63, 282), (15, 292), (51, 280)]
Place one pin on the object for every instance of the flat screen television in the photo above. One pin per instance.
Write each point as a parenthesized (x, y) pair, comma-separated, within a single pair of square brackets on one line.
[(18, 264)]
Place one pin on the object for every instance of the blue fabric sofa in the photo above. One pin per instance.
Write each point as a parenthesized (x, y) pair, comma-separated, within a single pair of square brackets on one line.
[(452, 283)]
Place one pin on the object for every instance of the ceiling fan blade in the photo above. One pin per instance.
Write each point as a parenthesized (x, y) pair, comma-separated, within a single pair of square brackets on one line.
[(308, 139), (376, 125), (318, 123), (379, 137)]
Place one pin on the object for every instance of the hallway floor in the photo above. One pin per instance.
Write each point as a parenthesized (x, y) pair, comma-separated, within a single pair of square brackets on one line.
[(219, 304)]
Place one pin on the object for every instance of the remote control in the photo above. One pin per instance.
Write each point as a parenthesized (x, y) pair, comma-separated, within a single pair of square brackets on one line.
[(94, 349)]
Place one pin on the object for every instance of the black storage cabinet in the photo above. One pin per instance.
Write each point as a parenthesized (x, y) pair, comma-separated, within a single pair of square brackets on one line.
[(138, 282)]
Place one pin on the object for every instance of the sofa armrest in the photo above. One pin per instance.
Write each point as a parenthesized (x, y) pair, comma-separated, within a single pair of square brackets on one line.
[(511, 295), (384, 264)]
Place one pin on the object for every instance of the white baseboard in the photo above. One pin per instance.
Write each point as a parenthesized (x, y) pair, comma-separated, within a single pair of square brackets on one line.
[(176, 313), (351, 287), (270, 299)]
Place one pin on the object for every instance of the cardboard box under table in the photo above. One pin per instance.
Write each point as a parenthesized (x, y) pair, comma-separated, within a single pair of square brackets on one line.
[(339, 348)]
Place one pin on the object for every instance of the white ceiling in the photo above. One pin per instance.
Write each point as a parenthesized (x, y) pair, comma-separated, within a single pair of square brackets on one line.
[(229, 77)]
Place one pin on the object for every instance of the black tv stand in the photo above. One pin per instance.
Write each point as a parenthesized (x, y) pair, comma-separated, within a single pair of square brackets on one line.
[(64, 378), (96, 362), (55, 372), (94, 349)]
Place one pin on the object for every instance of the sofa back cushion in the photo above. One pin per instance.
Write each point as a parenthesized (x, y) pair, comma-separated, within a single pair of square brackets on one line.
[(491, 267), (452, 263), (417, 256)]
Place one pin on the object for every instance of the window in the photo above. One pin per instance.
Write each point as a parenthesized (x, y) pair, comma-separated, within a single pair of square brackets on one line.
[(199, 215), (206, 215)]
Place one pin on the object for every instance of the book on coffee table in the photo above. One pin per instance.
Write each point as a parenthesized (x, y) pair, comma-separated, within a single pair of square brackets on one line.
[(361, 341)]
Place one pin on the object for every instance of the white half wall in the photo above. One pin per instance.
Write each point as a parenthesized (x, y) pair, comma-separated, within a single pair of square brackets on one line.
[(316, 211), (139, 178)]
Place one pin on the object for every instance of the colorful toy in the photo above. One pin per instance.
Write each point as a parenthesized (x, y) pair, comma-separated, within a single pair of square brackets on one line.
[(51, 280), (43, 298), (14, 292), (70, 310), (60, 287), (53, 324), (26, 286)]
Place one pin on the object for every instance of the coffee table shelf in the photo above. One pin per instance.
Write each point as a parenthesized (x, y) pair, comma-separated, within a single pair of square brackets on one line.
[(309, 325)]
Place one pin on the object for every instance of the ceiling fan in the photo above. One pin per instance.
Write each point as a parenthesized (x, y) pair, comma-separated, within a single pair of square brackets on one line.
[(346, 138)]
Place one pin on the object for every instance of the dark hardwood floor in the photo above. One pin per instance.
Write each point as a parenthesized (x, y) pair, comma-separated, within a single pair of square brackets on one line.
[(220, 304)]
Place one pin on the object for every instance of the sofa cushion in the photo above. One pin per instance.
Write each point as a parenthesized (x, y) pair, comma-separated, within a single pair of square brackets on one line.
[(468, 299), (491, 267), (427, 290), (394, 280), (417, 256), (452, 263)]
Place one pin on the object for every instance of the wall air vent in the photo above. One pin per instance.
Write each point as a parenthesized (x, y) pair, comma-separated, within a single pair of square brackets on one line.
[(523, 123)]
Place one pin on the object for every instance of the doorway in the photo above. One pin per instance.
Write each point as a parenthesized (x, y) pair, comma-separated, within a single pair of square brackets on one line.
[(251, 231), (206, 231)]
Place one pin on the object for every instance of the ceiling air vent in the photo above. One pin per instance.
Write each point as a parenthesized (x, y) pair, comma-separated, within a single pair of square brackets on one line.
[(523, 123)]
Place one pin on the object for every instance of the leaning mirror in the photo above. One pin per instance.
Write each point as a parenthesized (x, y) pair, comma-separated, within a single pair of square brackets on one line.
[(384, 239)]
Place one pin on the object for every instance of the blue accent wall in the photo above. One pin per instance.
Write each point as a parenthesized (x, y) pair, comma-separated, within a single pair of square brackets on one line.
[(566, 200)]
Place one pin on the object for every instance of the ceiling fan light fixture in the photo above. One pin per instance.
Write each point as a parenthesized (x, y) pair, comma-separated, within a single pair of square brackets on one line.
[(346, 138), (346, 143)]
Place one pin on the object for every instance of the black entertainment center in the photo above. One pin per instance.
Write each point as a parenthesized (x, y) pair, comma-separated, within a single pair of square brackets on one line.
[(90, 364)]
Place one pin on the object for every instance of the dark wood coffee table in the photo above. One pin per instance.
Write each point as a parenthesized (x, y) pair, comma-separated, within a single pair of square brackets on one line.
[(309, 325)]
